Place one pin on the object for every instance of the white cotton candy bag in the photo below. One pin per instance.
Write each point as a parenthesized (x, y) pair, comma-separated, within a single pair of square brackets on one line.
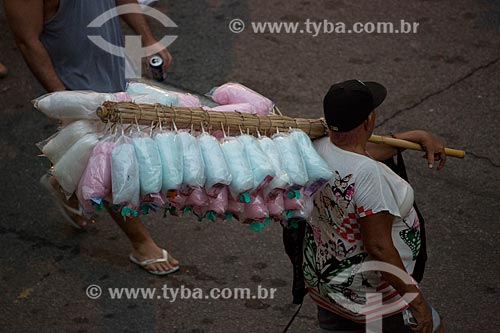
[(72, 104), (69, 169), (58, 144)]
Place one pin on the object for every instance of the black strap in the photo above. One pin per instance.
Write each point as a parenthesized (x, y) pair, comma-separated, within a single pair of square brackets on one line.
[(293, 240), (400, 169), (293, 318)]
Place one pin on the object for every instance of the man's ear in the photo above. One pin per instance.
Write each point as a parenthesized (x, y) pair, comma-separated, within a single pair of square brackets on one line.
[(370, 119), (366, 123)]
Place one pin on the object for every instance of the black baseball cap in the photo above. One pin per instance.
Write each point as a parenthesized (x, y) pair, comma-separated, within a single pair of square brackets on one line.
[(347, 104)]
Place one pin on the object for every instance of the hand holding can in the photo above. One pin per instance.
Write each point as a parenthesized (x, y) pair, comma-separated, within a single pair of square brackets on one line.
[(156, 65)]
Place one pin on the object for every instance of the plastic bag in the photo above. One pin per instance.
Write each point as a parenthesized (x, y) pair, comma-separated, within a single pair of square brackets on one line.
[(96, 179), (317, 169), (281, 180), (186, 100), (197, 198), (303, 207), (216, 169), (262, 169), (58, 144), (237, 161), (276, 205), (72, 104), (69, 169), (239, 107), (235, 208), (125, 173), (232, 93), (256, 209), (150, 167), (193, 168), (289, 152), (153, 94), (170, 149), (217, 205)]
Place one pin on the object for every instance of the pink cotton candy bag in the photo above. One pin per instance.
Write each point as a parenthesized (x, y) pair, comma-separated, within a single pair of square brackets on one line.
[(233, 93)]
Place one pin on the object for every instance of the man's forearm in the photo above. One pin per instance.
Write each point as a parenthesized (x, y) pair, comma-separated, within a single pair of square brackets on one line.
[(137, 22), (38, 59), (382, 152)]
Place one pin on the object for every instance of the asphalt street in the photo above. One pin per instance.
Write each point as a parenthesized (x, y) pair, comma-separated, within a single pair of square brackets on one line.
[(445, 79)]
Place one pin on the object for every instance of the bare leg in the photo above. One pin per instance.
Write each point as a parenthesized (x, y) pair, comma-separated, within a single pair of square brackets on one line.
[(3, 70), (143, 245)]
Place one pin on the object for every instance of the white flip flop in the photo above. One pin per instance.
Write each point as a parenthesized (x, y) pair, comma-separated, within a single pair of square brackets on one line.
[(147, 262), (63, 207)]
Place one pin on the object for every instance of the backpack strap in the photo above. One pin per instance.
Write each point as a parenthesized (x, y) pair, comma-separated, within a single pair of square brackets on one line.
[(399, 168), (293, 239)]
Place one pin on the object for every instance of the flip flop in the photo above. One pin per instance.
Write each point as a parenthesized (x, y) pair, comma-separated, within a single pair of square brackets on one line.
[(147, 262), (63, 207)]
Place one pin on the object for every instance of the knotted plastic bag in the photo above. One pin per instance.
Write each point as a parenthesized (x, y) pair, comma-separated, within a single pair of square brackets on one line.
[(149, 161), (262, 169), (276, 205), (289, 152), (217, 205), (73, 104), (281, 180), (125, 173), (237, 161), (55, 146), (193, 167), (235, 208), (256, 212), (155, 94), (233, 93), (170, 149), (69, 169), (318, 171), (216, 169)]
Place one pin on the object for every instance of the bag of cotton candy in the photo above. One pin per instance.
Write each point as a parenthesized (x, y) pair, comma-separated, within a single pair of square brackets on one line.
[(149, 162), (73, 104), (125, 173), (234, 93), (69, 169), (58, 144)]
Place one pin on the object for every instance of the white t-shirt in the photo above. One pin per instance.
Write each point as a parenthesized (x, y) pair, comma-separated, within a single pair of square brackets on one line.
[(333, 245)]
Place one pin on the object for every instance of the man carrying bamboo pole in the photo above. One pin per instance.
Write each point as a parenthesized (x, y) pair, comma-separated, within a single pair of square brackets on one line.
[(52, 36), (366, 215)]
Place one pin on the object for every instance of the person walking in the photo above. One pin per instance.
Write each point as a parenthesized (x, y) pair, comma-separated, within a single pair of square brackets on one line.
[(52, 37), (365, 214)]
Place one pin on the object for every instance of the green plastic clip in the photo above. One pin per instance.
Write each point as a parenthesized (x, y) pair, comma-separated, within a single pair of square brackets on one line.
[(256, 226), (245, 197)]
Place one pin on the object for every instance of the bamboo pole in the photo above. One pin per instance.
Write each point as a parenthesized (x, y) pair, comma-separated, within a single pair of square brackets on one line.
[(197, 118), (412, 145)]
